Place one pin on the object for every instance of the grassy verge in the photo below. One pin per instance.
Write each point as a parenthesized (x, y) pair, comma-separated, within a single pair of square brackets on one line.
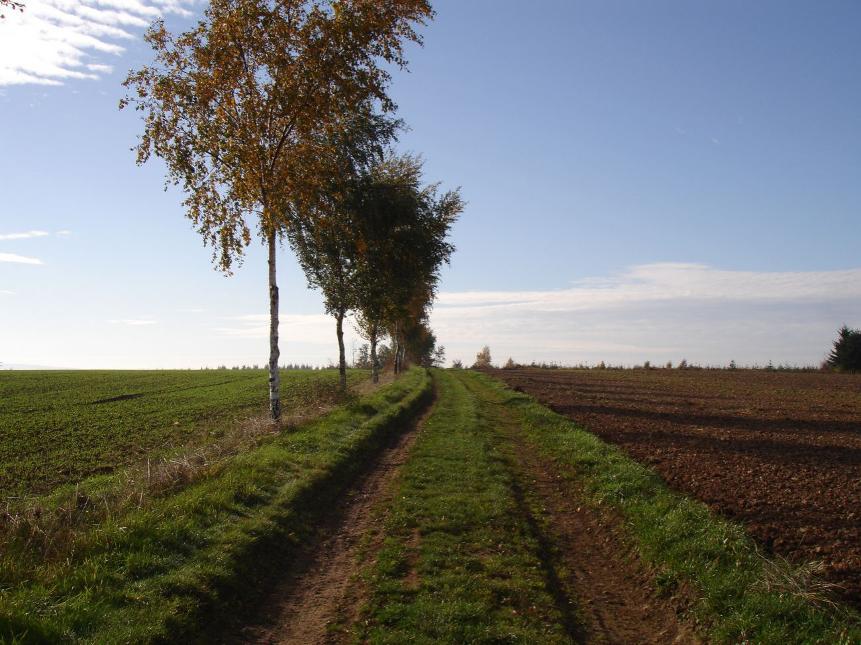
[(738, 595), (161, 573), (459, 562)]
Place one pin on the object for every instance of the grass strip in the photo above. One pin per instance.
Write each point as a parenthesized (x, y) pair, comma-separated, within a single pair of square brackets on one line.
[(739, 596), (164, 573), (459, 563)]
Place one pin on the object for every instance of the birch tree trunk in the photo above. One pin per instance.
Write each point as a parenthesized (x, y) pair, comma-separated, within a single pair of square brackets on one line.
[(274, 353), (342, 357), (375, 369), (396, 346)]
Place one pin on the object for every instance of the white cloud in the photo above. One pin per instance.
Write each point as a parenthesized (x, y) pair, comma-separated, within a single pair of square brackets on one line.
[(313, 332), (6, 292), (23, 236), (57, 40), (131, 322), (658, 312), (18, 259), (306, 328), (664, 282), (63, 233)]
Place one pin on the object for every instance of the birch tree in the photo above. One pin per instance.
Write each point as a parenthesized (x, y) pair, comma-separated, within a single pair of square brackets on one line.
[(402, 229), (323, 236), (243, 107)]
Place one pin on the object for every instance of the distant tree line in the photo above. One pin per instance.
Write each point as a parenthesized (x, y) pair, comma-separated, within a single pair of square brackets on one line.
[(845, 355), (286, 366)]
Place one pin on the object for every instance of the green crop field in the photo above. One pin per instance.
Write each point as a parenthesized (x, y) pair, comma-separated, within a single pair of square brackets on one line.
[(61, 427)]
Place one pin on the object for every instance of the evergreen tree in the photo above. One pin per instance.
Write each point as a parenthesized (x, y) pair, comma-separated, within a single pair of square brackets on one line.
[(846, 354)]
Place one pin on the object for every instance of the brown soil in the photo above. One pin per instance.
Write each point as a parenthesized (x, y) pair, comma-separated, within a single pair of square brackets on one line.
[(781, 452), (321, 594), (602, 589)]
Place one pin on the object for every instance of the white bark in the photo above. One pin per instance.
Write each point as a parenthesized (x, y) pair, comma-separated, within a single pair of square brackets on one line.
[(274, 353), (342, 357), (396, 349), (375, 369)]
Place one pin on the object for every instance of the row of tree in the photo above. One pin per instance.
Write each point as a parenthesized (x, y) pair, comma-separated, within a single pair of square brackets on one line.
[(375, 249), (274, 118)]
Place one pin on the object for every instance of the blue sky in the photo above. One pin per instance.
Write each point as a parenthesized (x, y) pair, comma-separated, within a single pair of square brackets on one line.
[(646, 181)]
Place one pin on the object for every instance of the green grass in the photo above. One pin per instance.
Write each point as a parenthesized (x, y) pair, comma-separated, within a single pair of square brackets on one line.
[(738, 595), (166, 571), (459, 563), (60, 427)]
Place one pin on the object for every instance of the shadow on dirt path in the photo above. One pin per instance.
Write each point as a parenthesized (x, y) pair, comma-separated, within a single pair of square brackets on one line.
[(605, 594), (321, 594)]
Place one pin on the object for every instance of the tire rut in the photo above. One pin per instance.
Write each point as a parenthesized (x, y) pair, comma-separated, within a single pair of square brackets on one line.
[(613, 593), (317, 601), (602, 590)]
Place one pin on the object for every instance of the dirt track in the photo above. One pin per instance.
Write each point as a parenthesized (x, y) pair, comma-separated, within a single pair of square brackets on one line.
[(780, 452), (604, 595), (320, 596)]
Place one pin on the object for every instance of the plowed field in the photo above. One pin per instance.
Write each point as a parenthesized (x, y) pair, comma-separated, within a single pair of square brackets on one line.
[(778, 451)]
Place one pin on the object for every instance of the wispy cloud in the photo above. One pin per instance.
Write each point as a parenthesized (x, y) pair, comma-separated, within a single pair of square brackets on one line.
[(669, 281), (26, 235), (308, 328), (18, 259), (658, 312), (29, 235), (6, 292), (316, 330), (57, 40), (132, 322)]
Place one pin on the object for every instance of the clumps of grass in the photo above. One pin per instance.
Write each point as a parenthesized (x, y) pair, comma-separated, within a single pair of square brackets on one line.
[(165, 569), (737, 594), (805, 581)]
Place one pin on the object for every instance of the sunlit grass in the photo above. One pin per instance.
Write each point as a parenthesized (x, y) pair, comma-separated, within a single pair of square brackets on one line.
[(164, 572)]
